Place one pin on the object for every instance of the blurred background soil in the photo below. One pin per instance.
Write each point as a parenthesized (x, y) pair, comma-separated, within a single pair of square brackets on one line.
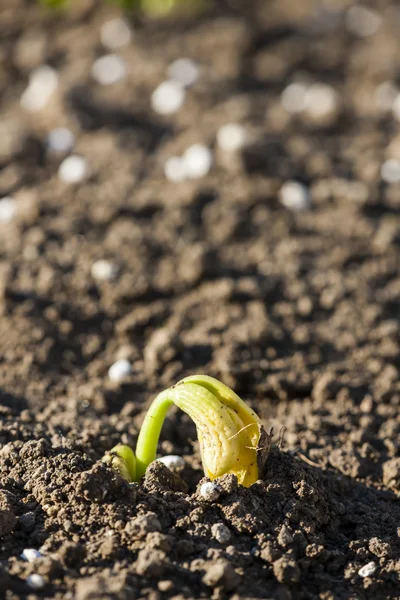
[(290, 294)]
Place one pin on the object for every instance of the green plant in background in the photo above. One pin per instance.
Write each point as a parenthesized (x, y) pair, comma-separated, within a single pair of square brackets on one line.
[(152, 8), (229, 432)]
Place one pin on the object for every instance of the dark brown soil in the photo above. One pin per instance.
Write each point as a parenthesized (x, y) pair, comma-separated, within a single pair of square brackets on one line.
[(298, 312)]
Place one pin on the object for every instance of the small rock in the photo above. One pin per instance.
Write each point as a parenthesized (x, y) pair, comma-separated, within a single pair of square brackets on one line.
[(108, 69), (286, 570), (8, 209), (150, 563), (368, 569), (231, 137), (42, 84), (198, 161), (115, 34), (60, 140), (390, 171), (174, 169), (221, 574), (221, 533), (293, 97), (35, 581), (120, 370), (73, 169), (210, 491), (168, 97), (295, 196), (322, 104), (172, 461), (31, 554), (184, 70), (362, 21), (285, 537), (104, 270)]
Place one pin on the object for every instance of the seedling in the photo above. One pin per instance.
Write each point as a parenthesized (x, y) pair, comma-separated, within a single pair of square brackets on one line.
[(231, 437)]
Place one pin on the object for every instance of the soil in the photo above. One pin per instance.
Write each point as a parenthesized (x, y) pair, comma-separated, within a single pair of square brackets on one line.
[(297, 311)]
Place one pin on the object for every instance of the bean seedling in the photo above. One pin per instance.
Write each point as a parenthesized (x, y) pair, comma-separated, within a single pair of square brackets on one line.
[(231, 437)]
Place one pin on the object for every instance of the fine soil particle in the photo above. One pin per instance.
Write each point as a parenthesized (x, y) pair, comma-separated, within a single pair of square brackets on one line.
[(298, 311)]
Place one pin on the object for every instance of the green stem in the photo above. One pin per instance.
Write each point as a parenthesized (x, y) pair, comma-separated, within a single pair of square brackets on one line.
[(146, 448)]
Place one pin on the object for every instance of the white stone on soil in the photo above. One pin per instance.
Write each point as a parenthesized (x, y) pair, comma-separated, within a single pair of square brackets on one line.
[(103, 270), (231, 137), (390, 171), (73, 169), (43, 82), (174, 169), (108, 69), (168, 97), (293, 97), (115, 34), (8, 209), (198, 161), (210, 491), (172, 461), (35, 581), (362, 21), (120, 370), (221, 533), (295, 196), (30, 554), (321, 101), (60, 140), (368, 569), (184, 70)]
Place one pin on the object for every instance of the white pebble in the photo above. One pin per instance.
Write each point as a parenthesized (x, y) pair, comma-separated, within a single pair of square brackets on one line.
[(210, 491), (321, 101), (120, 370), (362, 21), (35, 581), (115, 34), (60, 139), (221, 533), (198, 160), (172, 461), (108, 69), (168, 97), (104, 270), (390, 171), (293, 97), (42, 84), (368, 569), (184, 70), (8, 209), (231, 137), (174, 169), (30, 554), (294, 195), (385, 95), (73, 169)]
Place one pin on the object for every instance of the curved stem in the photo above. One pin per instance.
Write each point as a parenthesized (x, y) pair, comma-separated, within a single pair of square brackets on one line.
[(146, 448)]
